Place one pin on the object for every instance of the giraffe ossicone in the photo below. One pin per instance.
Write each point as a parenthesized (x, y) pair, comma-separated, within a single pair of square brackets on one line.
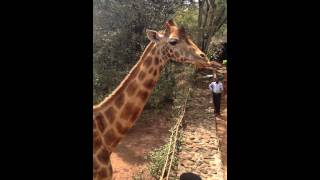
[(117, 113)]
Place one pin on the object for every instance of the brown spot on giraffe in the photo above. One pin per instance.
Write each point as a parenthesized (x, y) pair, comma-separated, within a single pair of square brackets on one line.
[(153, 51), (150, 70), (142, 75), (95, 164), (103, 156), (131, 89), (155, 72), (96, 141), (149, 84), (130, 112), (135, 114), (156, 61), (119, 100), (191, 49), (121, 129), (176, 54), (94, 125), (147, 62), (110, 114), (95, 134), (143, 95), (110, 136), (102, 174), (127, 111), (100, 122)]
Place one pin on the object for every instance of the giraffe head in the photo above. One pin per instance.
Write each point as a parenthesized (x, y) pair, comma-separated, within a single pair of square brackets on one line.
[(177, 46)]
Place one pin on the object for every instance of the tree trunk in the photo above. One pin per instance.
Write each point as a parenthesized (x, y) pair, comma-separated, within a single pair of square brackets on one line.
[(210, 19)]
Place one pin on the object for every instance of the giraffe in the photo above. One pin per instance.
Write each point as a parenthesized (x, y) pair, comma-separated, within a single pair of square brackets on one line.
[(117, 113)]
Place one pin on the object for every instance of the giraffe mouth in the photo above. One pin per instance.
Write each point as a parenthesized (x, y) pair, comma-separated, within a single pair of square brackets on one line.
[(206, 64), (202, 64)]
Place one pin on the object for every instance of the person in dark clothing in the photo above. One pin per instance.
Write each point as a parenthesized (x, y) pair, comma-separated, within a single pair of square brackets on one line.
[(189, 176), (216, 88)]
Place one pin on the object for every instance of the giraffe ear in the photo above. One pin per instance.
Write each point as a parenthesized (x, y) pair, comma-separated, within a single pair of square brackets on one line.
[(154, 36), (170, 22)]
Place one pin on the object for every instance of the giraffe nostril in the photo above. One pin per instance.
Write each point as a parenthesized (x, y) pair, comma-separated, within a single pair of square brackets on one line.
[(202, 55)]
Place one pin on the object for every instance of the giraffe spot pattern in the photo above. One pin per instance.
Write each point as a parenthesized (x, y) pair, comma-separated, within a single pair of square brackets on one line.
[(176, 54), (130, 112), (96, 142), (153, 51), (101, 122), (155, 72), (143, 95), (131, 89), (102, 173), (121, 129), (151, 70), (147, 62), (95, 164), (110, 114), (119, 101), (103, 156), (135, 114), (125, 114), (110, 136), (94, 125), (156, 61), (142, 75), (149, 84)]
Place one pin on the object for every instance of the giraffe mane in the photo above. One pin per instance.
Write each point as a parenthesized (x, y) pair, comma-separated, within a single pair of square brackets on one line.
[(125, 81)]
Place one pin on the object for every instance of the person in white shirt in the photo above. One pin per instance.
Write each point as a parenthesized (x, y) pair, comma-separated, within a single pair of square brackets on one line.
[(216, 88)]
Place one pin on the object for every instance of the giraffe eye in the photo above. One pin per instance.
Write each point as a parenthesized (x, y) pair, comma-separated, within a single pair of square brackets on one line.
[(173, 42)]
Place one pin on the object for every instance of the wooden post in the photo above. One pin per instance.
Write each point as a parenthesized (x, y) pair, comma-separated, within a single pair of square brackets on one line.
[(214, 73)]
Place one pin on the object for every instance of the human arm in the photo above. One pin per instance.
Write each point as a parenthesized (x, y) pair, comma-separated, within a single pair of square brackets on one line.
[(210, 86), (221, 88)]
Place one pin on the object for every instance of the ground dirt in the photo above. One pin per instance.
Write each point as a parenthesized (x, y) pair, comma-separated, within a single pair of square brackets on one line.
[(149, 132)]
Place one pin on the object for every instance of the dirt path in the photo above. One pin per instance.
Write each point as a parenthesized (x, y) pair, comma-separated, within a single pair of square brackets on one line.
[(222, 135), (201, 153), (150, 132)]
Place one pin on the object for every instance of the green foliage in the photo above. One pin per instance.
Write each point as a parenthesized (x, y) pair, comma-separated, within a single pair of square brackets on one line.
[(187, 16), (224, 62), (157, 159), (137, 177), (119, 39), (163, 92)]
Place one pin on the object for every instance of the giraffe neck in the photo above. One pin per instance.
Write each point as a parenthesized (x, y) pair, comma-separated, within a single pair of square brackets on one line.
[(118, 112)]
